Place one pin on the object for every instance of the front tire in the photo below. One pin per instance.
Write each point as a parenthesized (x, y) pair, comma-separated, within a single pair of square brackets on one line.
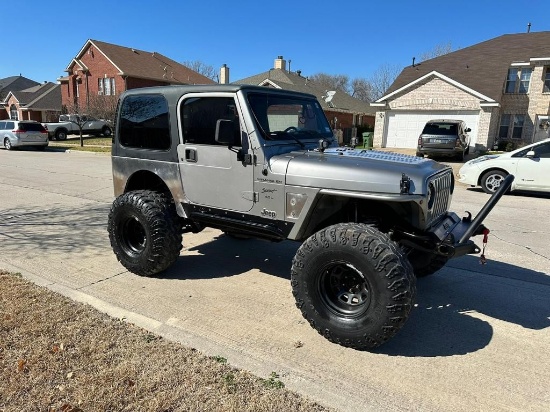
[(353, 284), (491, 181), (145, 232)]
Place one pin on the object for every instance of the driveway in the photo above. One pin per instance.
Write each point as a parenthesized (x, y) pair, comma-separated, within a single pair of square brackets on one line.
[(478, 338)]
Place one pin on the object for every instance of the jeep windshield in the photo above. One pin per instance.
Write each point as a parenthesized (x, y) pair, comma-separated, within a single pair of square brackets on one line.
[(289, 117)]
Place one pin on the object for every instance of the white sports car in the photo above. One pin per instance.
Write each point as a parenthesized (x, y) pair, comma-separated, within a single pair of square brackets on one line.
[(530, 165)]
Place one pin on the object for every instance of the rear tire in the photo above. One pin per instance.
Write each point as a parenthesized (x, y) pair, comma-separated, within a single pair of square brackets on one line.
[(419, 154), (491, 181), (7, 144), (353, 284), (145, 232), (106, 131), (60, 135)]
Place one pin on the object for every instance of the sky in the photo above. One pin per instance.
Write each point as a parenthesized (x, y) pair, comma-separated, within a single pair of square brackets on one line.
[(341, 37)]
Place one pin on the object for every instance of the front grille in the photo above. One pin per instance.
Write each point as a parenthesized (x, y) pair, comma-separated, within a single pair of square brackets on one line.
[(442, 186)]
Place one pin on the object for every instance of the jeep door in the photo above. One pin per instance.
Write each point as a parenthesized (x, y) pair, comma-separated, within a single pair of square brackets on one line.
[(213, 174)]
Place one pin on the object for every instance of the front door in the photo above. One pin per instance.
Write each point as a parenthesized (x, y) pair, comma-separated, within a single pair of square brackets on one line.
[(214, 174), (533, 172)]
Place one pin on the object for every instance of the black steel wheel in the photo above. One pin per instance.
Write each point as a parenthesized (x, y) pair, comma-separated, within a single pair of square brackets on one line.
[(353, 284), (145, 232)]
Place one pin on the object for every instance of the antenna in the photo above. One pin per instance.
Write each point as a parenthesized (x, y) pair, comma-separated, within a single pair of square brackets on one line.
[(329, 95)]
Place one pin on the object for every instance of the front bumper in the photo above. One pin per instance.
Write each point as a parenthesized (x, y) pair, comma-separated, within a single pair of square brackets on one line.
[(451, 236)]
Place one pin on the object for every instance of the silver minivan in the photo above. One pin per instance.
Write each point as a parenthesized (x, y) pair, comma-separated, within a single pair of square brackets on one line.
[(17, 133), (445, 138)]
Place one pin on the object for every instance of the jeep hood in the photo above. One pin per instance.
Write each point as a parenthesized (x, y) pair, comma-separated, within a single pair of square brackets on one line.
[(358, 170)]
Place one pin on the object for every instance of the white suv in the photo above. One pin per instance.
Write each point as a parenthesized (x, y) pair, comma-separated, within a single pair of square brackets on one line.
[(16, 133)]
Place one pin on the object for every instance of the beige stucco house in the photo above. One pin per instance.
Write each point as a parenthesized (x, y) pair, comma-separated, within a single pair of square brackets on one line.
[(500, 88)]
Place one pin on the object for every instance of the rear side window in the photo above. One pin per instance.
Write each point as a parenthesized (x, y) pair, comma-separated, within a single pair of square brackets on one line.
[(144, 122), (31, 127), (441, 129), (10, 125)]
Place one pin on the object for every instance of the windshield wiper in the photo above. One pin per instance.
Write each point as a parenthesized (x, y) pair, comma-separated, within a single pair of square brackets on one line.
[(291, 135)]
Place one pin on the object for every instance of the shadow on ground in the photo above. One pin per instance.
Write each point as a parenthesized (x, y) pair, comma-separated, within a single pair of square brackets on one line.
[(54, 229), (443, 323)]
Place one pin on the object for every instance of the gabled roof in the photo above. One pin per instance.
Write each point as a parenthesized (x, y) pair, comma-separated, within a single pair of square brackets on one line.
[(46, 96), (284, 79), (142, 64), (14, 83), (482, 67)]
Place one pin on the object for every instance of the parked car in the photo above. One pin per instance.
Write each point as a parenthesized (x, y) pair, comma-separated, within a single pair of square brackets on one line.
[(530, 165), (17, 133), (69, 124), (444, 137)]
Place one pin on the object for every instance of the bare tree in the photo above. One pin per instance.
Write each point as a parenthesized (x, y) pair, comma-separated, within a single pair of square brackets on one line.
[(202, 68), (338, 82), (382, 78), (100, 107), (362, 89), (438, 50)]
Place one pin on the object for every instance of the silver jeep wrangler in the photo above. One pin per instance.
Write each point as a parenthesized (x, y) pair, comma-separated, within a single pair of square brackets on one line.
[(261, 162)]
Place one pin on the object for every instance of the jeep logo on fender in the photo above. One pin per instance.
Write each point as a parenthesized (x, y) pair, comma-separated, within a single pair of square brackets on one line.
[(269, 213)]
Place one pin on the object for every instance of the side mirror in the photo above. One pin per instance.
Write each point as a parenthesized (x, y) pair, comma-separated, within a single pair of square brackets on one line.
[(531, 153), (468, 130), (225, 132)]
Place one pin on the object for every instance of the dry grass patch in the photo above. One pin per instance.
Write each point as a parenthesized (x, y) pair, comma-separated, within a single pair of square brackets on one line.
[(60, 355)]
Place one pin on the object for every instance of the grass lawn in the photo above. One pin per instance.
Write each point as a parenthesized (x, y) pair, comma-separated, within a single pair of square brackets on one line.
[(60, 355), (91, 144)]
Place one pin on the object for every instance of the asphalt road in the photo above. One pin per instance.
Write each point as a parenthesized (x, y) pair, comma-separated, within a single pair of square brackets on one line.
[(478, 339)]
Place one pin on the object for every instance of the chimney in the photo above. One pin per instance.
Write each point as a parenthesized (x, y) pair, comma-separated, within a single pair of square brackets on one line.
[(280, 63), (224, 74)]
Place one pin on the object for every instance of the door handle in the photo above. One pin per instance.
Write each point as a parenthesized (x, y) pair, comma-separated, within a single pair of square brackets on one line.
[(191, 155)]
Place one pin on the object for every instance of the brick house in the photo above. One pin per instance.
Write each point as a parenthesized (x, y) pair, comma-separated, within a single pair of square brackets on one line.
[(500, 87), (343, 111), (41, 103), (104, 69), (25, 99)]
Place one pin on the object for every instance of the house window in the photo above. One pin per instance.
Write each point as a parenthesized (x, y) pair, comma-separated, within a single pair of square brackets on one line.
[(524, 80), (518, 80), (546, 88), (519, 120), (511, 80), (106, 86), (14, 114), (504, 126)]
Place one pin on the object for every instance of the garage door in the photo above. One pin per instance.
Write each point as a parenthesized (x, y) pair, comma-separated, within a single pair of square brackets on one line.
[(403, 128)]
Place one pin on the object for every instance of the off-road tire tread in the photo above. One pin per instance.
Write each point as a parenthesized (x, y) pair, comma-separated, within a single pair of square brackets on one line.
[(392, 269), (165, 231)]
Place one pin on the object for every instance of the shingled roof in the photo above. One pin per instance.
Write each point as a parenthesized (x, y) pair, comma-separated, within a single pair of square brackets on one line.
[(144, 64), (295, 82), (14, 83), (482, 67), (46, 96)]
